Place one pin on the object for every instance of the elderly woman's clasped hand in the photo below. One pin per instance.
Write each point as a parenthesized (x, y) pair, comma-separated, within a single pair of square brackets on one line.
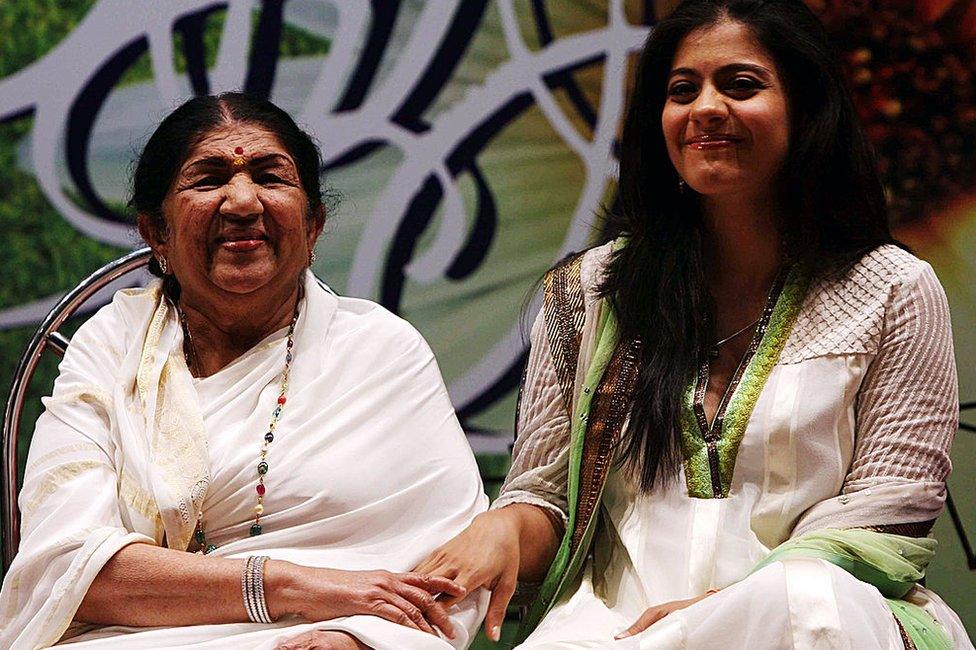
[(322, 640), (408, 599)]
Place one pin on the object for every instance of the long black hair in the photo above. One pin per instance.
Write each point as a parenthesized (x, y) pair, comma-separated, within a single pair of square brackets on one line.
[(832, 200)]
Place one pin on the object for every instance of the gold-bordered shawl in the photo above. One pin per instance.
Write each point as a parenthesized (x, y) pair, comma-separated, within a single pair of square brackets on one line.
[(602, 412)]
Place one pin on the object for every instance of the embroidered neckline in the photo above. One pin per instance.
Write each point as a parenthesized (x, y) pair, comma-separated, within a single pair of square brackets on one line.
[(704, 479)]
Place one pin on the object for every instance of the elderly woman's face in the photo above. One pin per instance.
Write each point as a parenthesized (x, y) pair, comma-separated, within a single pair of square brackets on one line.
[(725, 119), (237, 215)]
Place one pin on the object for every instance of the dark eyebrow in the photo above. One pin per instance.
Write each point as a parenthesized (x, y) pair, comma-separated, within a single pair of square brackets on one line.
[(271, 157), (683, 71), (209, 162), (222, 162), (727, 69)]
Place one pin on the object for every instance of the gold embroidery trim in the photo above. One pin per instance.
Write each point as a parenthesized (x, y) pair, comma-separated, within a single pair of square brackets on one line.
[(179, 446), (137, 498), (147, 361), (914, 529), (564, 315), (608, 412), (905, 639), (55, 478), (65, 451)]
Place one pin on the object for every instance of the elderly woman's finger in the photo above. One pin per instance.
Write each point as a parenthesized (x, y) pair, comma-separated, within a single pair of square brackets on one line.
[(415, 613), (469, 580), (294, 643), (434, 611), (434, 584), (398, 610), (321, 640)]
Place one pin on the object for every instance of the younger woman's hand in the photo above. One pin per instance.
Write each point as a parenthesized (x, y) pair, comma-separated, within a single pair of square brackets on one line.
[(485, 554), (654, 614)]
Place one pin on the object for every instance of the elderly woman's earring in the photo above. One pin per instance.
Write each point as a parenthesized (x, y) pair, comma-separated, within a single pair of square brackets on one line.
[(311, 257), (682, 185), (163, 265)]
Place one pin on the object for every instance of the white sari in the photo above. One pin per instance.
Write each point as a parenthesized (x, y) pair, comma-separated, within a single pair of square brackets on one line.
[(369, 468)]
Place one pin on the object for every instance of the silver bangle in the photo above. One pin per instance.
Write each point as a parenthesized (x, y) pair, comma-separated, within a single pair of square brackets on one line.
[(252, 588)]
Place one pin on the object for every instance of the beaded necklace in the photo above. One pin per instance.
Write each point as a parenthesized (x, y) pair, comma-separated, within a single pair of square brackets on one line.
[(189, 352)]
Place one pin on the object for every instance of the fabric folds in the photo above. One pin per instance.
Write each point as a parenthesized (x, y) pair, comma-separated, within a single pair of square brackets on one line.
[(369, 468), (848, 427)]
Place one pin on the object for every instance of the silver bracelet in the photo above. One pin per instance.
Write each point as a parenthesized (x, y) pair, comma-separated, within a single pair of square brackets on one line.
[(252, 588)]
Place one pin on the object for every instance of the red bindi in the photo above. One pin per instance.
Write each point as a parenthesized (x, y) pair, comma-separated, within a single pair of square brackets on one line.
[(239, 150)]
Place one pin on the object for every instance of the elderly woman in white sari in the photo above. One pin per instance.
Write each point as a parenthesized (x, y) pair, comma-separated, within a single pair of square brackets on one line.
[(235, 456)]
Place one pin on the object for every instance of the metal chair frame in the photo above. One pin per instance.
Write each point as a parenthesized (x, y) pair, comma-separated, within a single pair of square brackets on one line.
[(46, 337)]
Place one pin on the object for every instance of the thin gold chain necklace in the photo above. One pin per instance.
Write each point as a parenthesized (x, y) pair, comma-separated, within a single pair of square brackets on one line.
[(713, 349)]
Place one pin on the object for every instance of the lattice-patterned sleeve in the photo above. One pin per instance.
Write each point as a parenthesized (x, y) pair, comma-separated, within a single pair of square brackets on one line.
[(907, 409), (540, 459), (908, 406), (906, 414)]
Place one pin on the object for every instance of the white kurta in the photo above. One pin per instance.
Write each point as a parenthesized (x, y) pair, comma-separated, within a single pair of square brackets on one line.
[(369, 468), (851, 429)]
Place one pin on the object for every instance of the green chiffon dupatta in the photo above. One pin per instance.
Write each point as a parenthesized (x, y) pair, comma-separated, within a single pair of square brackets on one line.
[(892, 563), (567, 563)]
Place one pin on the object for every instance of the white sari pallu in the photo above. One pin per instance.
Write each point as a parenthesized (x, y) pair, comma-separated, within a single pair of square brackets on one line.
[(369, 468)]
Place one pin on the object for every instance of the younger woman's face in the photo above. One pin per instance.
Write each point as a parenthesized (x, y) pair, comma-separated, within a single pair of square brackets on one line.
[(726, 120)]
